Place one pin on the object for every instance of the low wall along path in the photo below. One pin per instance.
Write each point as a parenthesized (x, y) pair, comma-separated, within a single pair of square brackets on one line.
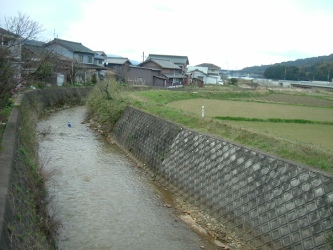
[(270, 202)]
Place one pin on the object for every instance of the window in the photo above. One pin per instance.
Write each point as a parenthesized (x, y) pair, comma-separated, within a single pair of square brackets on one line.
[(89, 59), (5, 43), (80, 58)]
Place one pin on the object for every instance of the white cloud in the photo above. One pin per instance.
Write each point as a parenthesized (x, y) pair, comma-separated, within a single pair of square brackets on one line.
[(228, 33)]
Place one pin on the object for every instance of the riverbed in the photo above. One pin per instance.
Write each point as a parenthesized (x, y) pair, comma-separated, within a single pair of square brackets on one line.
[(99, 196)]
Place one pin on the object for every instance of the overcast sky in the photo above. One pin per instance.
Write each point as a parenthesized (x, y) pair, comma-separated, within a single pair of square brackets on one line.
[(232, 34)]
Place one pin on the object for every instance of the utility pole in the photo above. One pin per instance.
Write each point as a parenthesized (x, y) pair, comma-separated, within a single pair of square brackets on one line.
[(143, 56), (328, 75), (285, 73)]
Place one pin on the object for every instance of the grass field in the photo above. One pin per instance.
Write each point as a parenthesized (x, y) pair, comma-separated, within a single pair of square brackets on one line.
[(301, 130), (314, 134), (249, 109), (280, 106)]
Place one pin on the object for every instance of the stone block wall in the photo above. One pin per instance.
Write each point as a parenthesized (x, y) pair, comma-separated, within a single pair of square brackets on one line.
[(270, 202)]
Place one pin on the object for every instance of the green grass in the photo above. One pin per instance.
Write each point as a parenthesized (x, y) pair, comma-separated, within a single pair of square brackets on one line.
[(184, 108), (316, 135), (4, 113)]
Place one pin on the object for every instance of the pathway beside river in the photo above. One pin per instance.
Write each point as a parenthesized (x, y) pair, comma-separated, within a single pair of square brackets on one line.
[(101, 199)]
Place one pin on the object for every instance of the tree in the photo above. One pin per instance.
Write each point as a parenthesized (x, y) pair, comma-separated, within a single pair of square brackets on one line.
[(233, 81), (17, 30), (40, 63), (94, 78), (23, 28), (252, 84)]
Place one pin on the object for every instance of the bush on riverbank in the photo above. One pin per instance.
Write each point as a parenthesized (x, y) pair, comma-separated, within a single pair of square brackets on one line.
[(106, 103)]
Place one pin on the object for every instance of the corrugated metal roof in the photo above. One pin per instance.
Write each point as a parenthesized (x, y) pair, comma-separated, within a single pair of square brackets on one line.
[(174, 59), (117, 60), (72, 46)]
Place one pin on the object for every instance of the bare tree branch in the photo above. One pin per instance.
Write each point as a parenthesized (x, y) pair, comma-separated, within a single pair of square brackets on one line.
[(23, 28)]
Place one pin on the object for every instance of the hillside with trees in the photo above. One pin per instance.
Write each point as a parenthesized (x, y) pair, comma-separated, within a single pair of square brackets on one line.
[(309, 69)]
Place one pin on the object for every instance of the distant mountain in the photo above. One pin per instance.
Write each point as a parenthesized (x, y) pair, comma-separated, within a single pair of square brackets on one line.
[(113, 55), (300, 63), (132, 61)]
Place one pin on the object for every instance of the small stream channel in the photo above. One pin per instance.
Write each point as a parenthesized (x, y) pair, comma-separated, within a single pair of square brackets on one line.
[(100, 198)]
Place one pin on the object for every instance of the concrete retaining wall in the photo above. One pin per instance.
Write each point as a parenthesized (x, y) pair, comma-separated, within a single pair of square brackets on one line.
[(270, 202), (37, 101)]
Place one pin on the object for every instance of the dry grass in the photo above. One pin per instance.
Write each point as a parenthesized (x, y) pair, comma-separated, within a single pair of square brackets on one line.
[(215, 108)]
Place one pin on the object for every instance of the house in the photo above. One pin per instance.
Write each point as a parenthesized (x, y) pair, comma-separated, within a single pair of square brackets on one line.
[(212, 69), (83, 59), (100, 58), (117, 62), (119, 65), (34, 58), (181, 61), (173, 73), (13, 42), (209, 73), (145, 76)]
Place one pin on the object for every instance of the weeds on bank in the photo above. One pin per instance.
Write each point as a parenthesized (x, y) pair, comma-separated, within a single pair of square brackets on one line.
[(329, 240), (153, 101), (32, 227), (106, 103), (4, 113)]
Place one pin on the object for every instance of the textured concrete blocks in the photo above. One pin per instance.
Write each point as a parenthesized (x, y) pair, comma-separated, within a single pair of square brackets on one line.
[(271, 202)]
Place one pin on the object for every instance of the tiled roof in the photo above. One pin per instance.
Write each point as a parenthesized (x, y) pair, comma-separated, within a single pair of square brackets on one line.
[(34, 43), (100, 53), (93, 66), (117, 60), (72, 46), (200, 68), (6, 32), (35, 46), (209, 65), (36, 49), (165, 64), (174, 59)]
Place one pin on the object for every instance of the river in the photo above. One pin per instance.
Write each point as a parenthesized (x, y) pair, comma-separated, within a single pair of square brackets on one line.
[(99, 196)]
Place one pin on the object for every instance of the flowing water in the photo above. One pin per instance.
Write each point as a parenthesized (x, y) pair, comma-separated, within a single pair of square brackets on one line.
[(98, 195)]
